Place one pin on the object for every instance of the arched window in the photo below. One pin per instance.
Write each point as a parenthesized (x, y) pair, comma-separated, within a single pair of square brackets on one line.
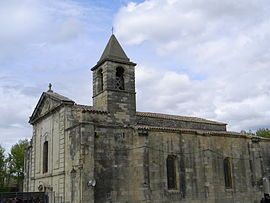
[(120, 83), (45, 157), (227, 172), (100, 80), (171, 172)]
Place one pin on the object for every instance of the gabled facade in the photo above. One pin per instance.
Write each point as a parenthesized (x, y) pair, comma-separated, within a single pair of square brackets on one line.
[(109, 152)]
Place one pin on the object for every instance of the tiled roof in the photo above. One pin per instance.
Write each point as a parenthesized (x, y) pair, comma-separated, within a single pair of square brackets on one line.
[(58, 97), (180, 118), (199, 132), (113, 52)]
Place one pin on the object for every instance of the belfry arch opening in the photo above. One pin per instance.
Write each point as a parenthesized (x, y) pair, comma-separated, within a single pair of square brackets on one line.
[(119, 76), (100, 85)]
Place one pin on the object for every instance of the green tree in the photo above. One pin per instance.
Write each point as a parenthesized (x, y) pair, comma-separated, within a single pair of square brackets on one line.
[(263, 132), (17, 161), (2, 168)]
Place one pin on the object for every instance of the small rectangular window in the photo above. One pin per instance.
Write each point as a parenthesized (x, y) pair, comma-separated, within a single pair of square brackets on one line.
[(227, 173), (171, 172), (45, 157)]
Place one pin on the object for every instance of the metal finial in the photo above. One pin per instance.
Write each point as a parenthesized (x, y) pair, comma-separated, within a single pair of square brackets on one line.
[(112, 30), (50, 87)]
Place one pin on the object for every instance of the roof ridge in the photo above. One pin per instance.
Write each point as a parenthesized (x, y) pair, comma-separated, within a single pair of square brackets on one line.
[(198, 131), (58, 96), (178, 117)]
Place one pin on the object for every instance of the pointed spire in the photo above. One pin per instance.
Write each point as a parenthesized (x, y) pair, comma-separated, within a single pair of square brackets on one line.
[(114, 50)]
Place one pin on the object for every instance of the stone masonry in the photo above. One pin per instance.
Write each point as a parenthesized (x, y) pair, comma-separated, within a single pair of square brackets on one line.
[(109, 152)]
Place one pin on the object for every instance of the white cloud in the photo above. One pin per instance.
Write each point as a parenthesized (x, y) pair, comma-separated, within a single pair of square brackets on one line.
[(19, 98), (42, 42), (222, 48), (29, 23), (15, 108), (226, 41), (172, 92)]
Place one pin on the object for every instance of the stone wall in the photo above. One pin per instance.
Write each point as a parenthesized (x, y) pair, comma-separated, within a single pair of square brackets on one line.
[(117, 167), (200, 167), (128, 163), (121, 104), (51, 129), (79, 163), (265, 157)]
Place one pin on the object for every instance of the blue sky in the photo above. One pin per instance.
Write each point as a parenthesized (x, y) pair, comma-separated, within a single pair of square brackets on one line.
[(202, 58)]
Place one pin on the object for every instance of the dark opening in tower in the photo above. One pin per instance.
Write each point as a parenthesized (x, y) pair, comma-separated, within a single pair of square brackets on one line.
[(120, 83), (100, 81)]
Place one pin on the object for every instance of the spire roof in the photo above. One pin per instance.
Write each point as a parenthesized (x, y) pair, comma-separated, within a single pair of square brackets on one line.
[(113, 52)]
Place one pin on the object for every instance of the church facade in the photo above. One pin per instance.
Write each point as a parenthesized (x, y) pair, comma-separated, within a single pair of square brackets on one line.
[(109, 152)]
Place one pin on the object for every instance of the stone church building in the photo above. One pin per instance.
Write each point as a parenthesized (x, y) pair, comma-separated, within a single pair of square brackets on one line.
[(109, 152)]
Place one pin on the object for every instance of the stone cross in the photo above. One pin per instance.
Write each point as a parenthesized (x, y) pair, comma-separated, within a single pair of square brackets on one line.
[(50, 87)]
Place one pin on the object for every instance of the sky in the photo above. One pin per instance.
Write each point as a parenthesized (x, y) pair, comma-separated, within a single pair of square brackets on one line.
[(203, 58)]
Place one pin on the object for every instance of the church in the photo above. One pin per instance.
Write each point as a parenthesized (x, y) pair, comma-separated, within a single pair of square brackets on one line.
[(111, 153)]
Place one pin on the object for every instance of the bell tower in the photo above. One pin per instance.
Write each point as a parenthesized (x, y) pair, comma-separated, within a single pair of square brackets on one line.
[(114, 83)]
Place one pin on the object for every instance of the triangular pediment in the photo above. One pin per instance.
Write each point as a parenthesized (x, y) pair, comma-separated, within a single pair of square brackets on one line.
[(48, 102)]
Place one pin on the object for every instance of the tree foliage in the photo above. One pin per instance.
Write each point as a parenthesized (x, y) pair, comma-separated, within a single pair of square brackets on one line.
[(263, 132), (11, 166), (17, 161), (2, 167)]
